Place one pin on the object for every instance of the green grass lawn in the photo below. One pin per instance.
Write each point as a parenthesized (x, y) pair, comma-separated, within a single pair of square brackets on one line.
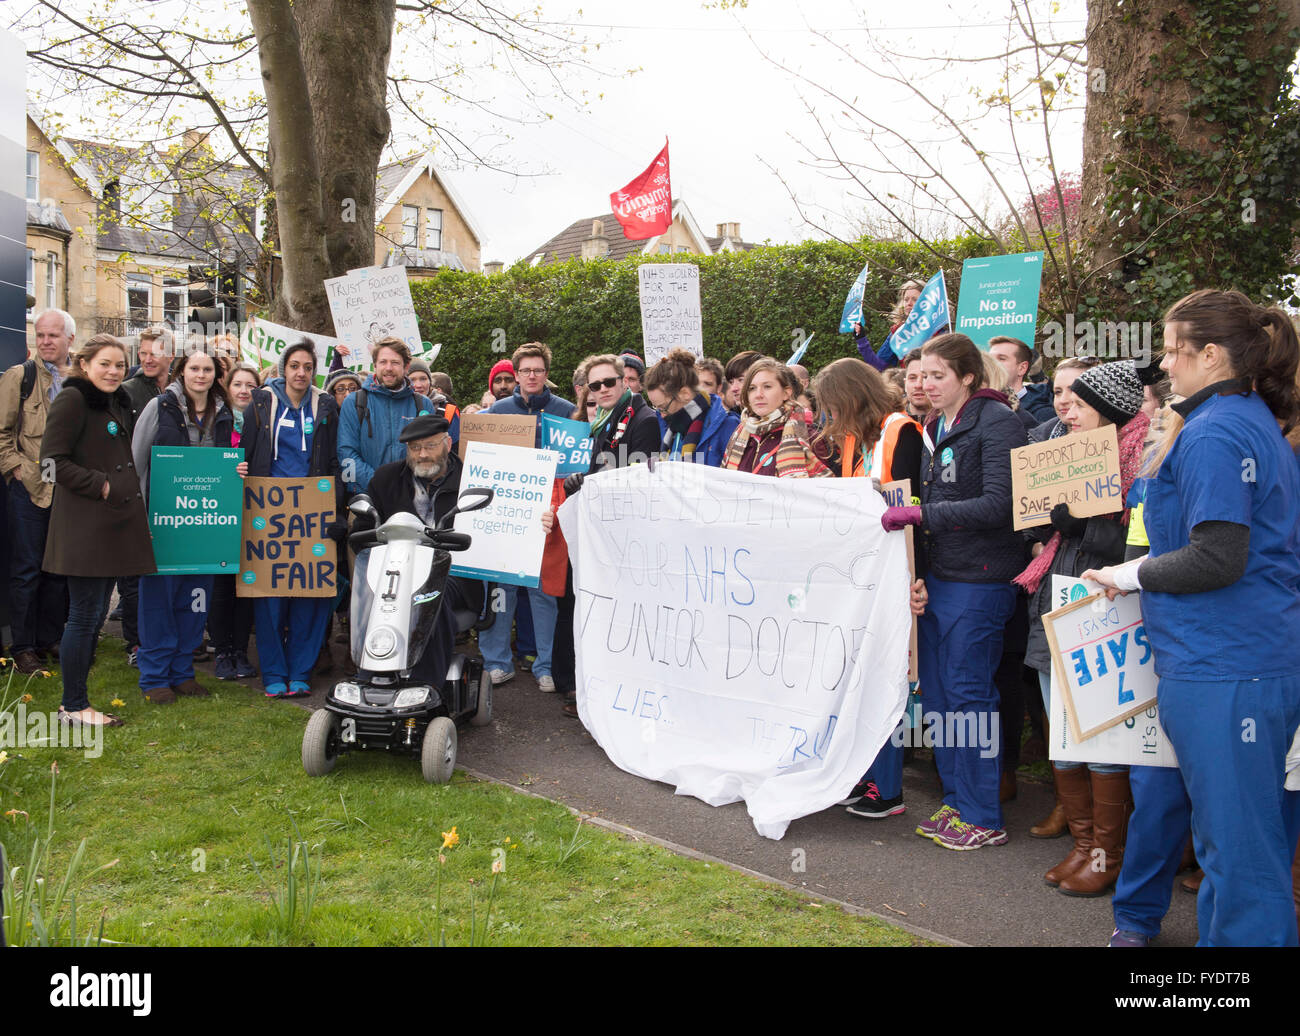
[(185, 798)]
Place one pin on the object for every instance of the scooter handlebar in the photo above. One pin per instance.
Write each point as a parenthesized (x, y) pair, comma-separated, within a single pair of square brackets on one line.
[(448, 540)]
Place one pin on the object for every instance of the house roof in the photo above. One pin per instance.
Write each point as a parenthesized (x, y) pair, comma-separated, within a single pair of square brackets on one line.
[(567, 244), (395, 179), (39, 216)]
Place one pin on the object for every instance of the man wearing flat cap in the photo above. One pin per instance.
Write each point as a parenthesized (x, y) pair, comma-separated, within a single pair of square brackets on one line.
[(426, 484)]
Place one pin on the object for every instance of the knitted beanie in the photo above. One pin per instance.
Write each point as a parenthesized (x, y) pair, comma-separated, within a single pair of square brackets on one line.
[(298, 346), (1112, 389), (418, 365), (342, 375), (499, 367), (634, 361)]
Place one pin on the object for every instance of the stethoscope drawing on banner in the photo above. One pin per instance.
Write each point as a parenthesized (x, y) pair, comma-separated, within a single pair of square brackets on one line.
[(855, 573)]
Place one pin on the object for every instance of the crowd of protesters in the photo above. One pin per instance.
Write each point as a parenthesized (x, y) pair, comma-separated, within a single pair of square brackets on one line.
[(1215, 553)]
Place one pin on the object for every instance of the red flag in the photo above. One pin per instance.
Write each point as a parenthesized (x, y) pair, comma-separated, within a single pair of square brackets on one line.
[(645, 206)]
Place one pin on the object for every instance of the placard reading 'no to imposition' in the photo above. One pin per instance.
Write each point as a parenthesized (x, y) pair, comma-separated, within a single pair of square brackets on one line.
[(286, 552)]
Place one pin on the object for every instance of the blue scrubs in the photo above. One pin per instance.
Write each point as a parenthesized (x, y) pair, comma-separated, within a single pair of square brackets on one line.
[(1157, 832), (959, 646), (1228, 695)]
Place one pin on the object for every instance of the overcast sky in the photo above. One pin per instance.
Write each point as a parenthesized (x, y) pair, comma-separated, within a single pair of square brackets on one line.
[(729, 112)]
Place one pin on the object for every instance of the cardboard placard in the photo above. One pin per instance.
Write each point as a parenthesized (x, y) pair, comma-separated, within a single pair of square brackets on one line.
[(1102, 660), (503, 429), (899, 494), (195, 501), (263, 342), (670, 309), (369, 304), (1081, 470), (286, 552), (1139, 741)]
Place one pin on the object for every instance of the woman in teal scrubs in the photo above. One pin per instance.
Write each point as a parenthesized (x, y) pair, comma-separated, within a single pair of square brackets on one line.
[(1221, 602)]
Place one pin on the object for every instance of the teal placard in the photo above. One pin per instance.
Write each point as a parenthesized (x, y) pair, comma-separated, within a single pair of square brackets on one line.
[(195, 502), (999, 296)]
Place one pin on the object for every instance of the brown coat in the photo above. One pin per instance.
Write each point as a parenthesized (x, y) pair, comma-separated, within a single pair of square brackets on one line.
[(22, 451), (87, 435)]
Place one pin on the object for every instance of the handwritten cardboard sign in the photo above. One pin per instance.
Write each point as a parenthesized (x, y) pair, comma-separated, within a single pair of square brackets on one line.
[(286, 552), (1081, 470), (670, 309), (263, 342), (502, 429), (899, 494), (369, 304), (1102, 660)]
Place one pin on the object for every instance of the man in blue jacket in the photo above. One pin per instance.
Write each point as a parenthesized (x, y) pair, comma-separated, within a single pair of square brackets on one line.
[(1016, 358), (371, 419), (531, 397)]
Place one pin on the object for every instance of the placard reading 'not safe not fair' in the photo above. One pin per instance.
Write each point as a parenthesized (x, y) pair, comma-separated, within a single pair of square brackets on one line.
[(194, 509), (286, 552)]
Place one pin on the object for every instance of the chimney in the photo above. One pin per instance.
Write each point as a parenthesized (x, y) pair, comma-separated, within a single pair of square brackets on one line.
[(496, 266), (596, 246), (195, 139), (729, 230)]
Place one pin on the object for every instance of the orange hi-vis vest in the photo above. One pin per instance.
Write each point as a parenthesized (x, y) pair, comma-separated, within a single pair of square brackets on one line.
[(854, 465)]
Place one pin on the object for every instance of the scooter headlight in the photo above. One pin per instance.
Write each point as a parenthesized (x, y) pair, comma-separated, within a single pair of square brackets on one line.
[(410, 696), (381, 642), (348, 693)]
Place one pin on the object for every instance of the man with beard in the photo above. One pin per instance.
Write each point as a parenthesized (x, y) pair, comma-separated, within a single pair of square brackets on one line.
[(427, 485)]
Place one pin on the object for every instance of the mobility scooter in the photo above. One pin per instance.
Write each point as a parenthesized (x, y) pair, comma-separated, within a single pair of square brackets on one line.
[(397, 590)]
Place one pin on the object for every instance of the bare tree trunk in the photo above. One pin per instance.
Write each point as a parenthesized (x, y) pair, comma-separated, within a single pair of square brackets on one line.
[(346, 46), (294, 170)]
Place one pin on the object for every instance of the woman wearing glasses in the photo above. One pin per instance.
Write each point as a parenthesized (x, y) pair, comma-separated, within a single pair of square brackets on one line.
[(693, 426)]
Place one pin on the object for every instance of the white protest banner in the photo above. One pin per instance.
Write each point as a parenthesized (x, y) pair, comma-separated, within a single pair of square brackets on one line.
[(263, 341), (508, 535), (670, 309), (1102, 659), (1139, 740), (369, 304), (1081, 470), (740, 637)]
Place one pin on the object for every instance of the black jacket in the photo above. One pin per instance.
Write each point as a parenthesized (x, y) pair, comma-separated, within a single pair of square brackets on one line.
[(392, 488), (966, 533), (642, 440), (171, 424), (140, 390)]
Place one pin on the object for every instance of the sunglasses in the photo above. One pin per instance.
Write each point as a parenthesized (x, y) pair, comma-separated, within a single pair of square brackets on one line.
[(605, 384)]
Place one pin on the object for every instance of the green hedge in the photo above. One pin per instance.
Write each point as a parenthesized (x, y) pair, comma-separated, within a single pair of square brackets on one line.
[(751, 300)]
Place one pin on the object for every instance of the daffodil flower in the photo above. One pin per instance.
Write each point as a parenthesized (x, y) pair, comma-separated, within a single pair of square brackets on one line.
[(25, 698), (14, 814), (117, 703), (450, 839)]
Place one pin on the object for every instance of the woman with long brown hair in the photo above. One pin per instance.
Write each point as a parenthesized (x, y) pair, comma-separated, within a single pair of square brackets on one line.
[(772, 438), (1220, 592)]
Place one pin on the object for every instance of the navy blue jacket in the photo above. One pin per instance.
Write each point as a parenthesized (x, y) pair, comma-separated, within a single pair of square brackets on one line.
[(543, 402), (258, 436), (966, 494), (1038, 401)]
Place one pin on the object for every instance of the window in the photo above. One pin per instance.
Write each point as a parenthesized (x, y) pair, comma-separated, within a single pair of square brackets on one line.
[(410, 226), (51, 279), (33, 176), (433, 228), (174, 303), (139, 301), (665, 249)]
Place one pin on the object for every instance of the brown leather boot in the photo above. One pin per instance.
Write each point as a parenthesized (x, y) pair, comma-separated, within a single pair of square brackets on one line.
[(1192, 883), (1051, 826), (190, 689), (1074, 790), (1111, 807)]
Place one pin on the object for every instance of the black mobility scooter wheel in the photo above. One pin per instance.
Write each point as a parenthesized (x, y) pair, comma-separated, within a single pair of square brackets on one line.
[(483, 714), (438, 755), (320, 743)]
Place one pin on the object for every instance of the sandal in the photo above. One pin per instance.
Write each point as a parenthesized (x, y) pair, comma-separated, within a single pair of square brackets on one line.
[(71, 719)]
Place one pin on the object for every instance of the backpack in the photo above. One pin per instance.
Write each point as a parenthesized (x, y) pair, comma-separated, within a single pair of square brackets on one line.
[(24, 393), (363, 408)]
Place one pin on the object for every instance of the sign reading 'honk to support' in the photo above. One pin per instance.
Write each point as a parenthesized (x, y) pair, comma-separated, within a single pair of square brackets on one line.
[(286, 550)]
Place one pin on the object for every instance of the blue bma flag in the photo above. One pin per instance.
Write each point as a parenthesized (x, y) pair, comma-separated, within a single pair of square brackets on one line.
[(853, 304), (929, 316)]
